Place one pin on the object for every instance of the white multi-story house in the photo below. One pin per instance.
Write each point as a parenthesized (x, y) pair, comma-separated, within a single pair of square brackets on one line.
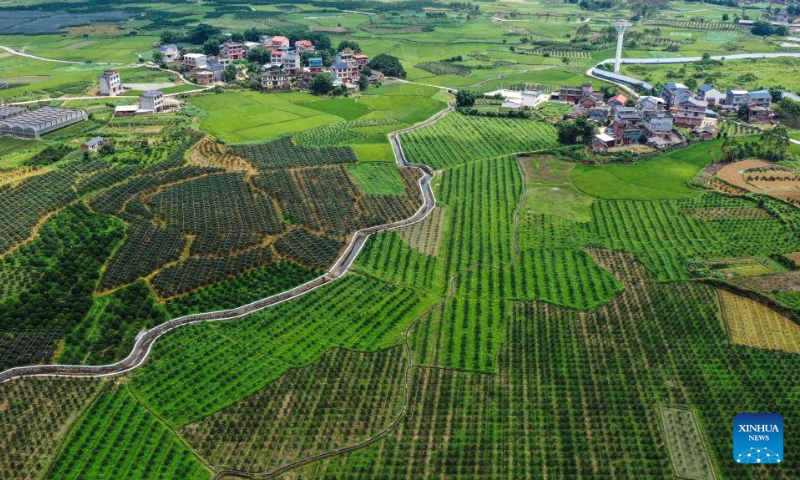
[(195, 60), (151, 101), (110, 83), (170, 52), (736, 98)]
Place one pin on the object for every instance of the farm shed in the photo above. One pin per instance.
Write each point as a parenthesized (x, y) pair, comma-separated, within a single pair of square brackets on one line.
[(92, 145), (37, 122)]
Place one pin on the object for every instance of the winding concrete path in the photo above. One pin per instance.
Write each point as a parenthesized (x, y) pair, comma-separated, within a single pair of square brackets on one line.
[(146, 339)]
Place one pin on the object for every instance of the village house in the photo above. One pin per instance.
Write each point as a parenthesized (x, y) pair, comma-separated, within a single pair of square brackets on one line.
[(758, 114), (735, 98), (649, 103), (598, 115), (573, 95), (110, 83), (706, 132), (275, 80), (217, 68), (349, 67), (248, 46), (627, 133), (361, 60), (291, 63), (276, 56), (341, 72), (205, 77), (170, 52), (691, 113), (710, 95), (587, 102), (375, 77), (617, 101), (231, 51), (265, 40), (673, 93), (279, 41), (151, 101), (304, 46), (759, 98), (314, 68), (195, 60), (92, 145), (657, 123), (602, 142), (628, 115)]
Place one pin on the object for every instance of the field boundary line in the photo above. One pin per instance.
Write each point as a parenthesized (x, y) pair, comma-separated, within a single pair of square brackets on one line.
[(145, 339)]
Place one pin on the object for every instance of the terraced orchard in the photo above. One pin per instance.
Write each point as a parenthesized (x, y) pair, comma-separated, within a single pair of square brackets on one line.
[(546, 320)]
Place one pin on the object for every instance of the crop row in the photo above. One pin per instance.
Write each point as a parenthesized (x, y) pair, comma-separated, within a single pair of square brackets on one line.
[(283, 153), (445, 68), (116, 422), (665, 238), (338, 400), (34, 415), (561, 276), (306, 248), (567, 381), (338, 133), (707, 26), (202, 368), (456, 139), (113, 200), (480, 198), (23, 205), (147, 248), (222, 203), (194, 272)]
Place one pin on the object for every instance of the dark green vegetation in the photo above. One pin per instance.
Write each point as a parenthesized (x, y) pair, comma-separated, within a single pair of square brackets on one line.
[(535, 327), (172, 223), (538, 324)]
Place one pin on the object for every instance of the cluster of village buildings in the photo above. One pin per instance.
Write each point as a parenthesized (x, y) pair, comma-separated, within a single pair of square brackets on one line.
[(652, 120), (283, 68)]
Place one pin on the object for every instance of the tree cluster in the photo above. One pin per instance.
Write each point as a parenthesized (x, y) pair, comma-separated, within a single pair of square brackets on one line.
[(788, 111), (579, 130), (764, 28), (772, 144), (388, 65)]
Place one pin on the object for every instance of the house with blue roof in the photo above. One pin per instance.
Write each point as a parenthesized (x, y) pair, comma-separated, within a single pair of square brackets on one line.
[(759, 98), (92, 145), (170, 52)]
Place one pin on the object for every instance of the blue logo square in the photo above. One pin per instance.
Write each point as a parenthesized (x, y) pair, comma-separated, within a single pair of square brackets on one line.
[(758, 438)]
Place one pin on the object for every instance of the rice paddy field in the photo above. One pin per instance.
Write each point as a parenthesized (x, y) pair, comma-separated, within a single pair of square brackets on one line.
[(550, 318)]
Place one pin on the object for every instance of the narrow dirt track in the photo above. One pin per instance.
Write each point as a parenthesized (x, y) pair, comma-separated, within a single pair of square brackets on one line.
[(146, 339)]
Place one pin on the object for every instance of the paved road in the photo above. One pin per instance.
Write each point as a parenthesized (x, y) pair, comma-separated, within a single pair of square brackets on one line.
[(146, 339)]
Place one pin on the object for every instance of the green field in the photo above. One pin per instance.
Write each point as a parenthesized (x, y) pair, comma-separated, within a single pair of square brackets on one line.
[(661, 178), (550, 318), (746, 74)]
